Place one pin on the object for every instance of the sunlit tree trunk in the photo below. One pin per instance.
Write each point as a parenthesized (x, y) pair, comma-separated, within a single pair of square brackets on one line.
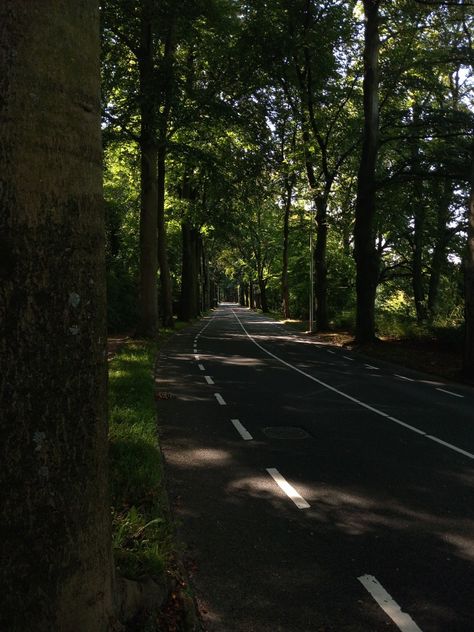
[(365, 252), (56, 572)]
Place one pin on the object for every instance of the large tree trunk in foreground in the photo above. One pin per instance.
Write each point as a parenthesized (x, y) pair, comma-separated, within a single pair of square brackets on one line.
[(468, 359), (56, 572), (148, 319), (365, 253)]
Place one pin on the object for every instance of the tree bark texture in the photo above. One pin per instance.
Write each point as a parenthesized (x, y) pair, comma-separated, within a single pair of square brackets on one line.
[(148, 323), (365, 253), (468, 357), (165, 277), (56, 571)]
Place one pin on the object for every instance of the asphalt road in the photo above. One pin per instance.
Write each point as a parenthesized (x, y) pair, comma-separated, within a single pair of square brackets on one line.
[(316, 492)]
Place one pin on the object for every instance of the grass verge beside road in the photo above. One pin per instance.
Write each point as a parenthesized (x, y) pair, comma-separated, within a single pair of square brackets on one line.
[(142, 535)]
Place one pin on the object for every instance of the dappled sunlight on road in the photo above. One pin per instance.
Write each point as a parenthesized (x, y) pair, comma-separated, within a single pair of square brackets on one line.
[(201, 457)]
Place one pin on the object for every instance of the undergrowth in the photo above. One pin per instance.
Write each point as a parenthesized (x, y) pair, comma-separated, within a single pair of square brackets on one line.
[(142, 536)]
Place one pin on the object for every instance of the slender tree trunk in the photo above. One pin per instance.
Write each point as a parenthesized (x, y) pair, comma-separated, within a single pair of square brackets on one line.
[(251, 295), (148, 320), (262, 285), (417, 260), (438, 259), (468, 358), (320, 248), (285, 290), (165, 277), (56, 572), (206, 287), (320, 264), (365, 253), (187, 301), (196, 236), (419, 220)]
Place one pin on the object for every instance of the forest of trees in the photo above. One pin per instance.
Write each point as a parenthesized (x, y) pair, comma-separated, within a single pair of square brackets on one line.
[(233, 130), (233, 133)]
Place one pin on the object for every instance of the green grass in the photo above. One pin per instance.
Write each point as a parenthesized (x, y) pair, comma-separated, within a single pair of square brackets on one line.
[(142, 536)]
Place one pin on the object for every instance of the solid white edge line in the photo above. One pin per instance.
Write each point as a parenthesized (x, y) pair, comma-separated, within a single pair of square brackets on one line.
[(450, 446), (289, 490), (201, 367), (443, 390), (350, 398), (209, 379), (404, 377), (244, 433), (220, 399), (401, 619)]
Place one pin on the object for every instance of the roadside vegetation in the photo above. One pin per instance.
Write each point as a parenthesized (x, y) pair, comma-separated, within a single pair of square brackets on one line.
[(142, 535)]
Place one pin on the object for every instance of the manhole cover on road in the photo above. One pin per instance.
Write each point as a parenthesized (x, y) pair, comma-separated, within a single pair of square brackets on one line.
[(285, 432)]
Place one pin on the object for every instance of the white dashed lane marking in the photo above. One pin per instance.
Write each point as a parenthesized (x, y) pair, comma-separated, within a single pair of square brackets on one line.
[(244, 433), (209, 379), (220, 399), (401, 619), (443, 390), (289, 490)]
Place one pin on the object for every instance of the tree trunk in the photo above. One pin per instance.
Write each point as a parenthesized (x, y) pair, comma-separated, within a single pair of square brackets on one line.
[(206, 286), (196, 238), (165, 277), (285, 290), (365, 253), (148, 320), (191, 263), (320, 265), (419, 217), (468, 357), (251, 295), (188, 273), (417, 260), (262, 285), (438, 259), (56, 540)]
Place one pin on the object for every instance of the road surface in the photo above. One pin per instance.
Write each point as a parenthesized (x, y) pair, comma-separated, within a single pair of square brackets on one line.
[(316, 492)]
